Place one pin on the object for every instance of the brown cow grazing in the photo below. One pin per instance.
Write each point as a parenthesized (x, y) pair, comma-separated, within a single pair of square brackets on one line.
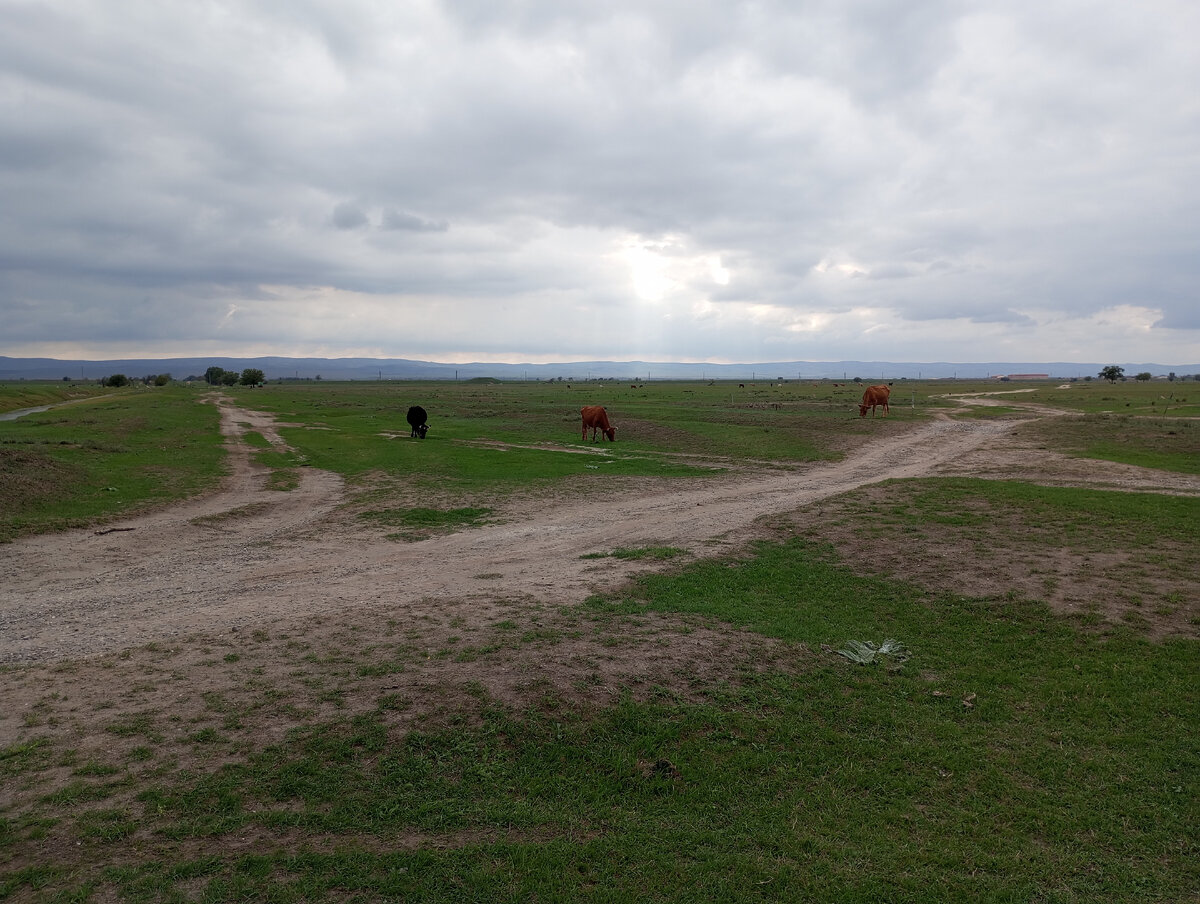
[(596, 417), (875, 395)]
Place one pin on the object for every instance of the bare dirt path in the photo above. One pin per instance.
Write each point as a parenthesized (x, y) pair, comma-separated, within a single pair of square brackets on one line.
[(247, 555)]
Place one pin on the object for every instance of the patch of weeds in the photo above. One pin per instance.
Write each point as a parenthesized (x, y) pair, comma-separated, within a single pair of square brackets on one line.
[(256, 439), (422, 523), (381, 669), (540, 634), (477, 690), (232, 722), (283, 479), (79, 792), (1135, 620), (135, 724), (28, 756), (393, 703), (106, 825), (660, 553), (92, 767), (207, 736), (250, 510), (334, 696), (33, 878)]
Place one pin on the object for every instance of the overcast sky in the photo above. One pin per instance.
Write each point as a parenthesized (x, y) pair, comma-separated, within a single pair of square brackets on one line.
[(551, 180)]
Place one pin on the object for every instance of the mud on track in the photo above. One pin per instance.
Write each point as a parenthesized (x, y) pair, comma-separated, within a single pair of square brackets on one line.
[(247, 556)]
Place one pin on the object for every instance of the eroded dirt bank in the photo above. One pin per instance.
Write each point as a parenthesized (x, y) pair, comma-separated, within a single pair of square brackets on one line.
[(249, 556)]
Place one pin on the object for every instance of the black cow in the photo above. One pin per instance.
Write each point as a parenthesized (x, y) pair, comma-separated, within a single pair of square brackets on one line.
[(416, 419)]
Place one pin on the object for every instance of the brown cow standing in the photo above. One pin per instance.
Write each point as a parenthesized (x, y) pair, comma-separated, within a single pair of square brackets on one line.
[(596, 417), (875, 395)]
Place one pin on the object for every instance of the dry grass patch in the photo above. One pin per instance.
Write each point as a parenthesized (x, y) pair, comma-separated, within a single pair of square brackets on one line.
[(29, 476), (207, 700), (974, 538)]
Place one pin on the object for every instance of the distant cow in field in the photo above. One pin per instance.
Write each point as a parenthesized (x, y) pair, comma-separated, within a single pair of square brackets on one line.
[(875, 395), (596, 418), (417, 420)]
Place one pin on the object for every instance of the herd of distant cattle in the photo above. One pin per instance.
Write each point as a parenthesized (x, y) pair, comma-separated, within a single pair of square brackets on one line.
[(595, 417)]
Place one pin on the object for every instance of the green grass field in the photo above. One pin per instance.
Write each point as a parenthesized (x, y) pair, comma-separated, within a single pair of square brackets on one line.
[(34, 394), (111, 455), (82, 462), (1017, 754)]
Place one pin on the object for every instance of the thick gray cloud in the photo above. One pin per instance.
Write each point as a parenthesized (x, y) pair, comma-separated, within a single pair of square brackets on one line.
[(549, 180)]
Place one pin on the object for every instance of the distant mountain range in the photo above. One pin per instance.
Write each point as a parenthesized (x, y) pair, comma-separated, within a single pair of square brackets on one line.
[(404, 369)]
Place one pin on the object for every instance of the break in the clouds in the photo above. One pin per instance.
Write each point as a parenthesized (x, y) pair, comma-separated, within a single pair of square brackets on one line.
[(711, 181)]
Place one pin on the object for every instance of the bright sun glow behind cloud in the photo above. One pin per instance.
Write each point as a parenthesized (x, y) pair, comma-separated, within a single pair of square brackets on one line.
[(647, 271), (658, 269)]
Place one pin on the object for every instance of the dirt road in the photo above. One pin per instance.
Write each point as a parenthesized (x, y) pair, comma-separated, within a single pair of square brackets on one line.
[(247, 555)]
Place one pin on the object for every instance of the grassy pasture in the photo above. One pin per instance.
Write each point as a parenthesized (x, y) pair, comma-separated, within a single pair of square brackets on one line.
[(1020, 754), (489, 439), (1167, 442), (1099, 558), (115, 454), (35, 393), (72, 466), (1013, 757), (1151, 424), (1178, 399), (774, 423)]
